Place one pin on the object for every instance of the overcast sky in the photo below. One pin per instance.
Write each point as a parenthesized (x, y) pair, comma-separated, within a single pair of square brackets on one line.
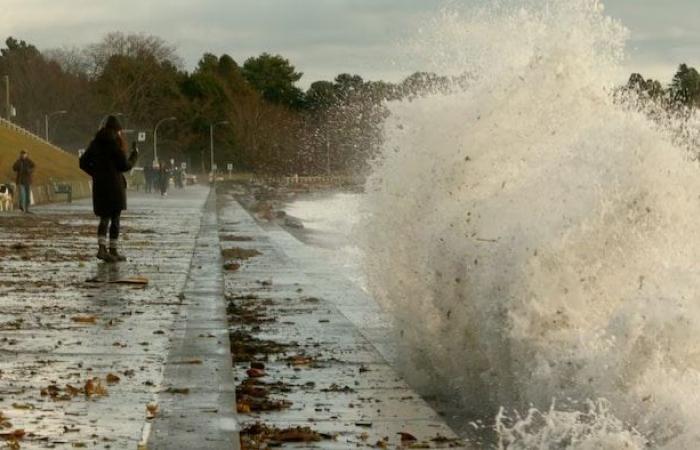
[(321, 37)]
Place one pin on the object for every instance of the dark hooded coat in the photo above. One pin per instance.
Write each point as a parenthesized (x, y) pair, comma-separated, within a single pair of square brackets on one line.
[(106, 162)]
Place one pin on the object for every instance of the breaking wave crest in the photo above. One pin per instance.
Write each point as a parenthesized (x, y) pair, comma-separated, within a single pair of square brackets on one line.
[(535, 240)]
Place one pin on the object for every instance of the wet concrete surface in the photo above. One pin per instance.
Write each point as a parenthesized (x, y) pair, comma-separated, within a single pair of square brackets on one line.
[(63, 323), (330, 352), (199, 359), (87, 363)]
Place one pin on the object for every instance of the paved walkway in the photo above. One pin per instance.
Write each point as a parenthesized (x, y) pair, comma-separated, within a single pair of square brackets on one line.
[(317, 334), (82, 358), (86, 361)]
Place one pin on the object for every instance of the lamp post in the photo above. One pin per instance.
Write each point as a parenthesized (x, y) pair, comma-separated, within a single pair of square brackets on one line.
[(211, 142), (46, 121), (8, 106), (155, 137)]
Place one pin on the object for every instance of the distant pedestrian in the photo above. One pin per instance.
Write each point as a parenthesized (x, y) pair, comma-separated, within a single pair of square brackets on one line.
[(24, 169), (148, 177), (179, 177), (106, 161), (164, 179)]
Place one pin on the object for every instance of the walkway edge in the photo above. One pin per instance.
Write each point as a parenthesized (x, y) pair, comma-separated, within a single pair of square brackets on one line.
[(197, 400)]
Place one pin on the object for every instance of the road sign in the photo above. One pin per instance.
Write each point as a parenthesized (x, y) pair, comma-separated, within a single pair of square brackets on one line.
[(214, 167), (229, 167), (142, 136), (183, 166)]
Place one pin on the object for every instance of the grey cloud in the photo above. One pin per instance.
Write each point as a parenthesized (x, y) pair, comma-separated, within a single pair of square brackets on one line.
[(322, 37)]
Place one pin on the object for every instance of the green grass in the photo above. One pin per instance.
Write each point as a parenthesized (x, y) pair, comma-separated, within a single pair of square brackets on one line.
[(50, 163)]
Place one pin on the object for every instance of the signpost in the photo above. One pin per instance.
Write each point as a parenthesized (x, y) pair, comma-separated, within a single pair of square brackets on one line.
[(142, 136)]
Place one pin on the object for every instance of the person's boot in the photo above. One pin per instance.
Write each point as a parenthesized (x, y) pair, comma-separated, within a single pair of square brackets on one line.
[(104, 255), (114, 253)]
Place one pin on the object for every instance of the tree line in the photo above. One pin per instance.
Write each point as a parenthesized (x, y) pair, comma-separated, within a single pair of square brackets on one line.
[(682, 93), (263, 121), (266, 123)]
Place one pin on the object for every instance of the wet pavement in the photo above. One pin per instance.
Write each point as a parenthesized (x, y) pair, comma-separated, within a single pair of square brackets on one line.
[(237, 315), (311, 354), (200, 358), (83, 357)]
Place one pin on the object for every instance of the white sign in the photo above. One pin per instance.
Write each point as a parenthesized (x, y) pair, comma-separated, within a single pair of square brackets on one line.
[(214, 167), (142, 136), (183, 166), (229, 166)]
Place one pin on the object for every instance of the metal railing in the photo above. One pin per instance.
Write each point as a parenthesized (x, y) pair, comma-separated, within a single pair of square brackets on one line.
[(23, 131)]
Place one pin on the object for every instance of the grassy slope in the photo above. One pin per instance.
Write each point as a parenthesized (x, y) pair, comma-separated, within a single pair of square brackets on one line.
[(50, 163)]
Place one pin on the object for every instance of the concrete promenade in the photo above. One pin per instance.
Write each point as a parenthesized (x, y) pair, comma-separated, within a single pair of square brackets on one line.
[(83, 356), (324, 343), (92, 358)]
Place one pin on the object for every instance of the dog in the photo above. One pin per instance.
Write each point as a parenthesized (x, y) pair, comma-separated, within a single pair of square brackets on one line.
[(7, 197)]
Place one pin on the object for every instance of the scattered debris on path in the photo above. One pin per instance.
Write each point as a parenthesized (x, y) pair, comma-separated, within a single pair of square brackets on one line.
[(305, 377)]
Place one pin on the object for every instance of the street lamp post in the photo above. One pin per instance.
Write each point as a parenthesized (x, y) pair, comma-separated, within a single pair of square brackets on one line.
[(211, 142), (8, 106), (46, 121), (155, 137)]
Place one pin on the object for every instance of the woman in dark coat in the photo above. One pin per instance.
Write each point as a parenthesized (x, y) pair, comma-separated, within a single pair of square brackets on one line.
[(105, 161)]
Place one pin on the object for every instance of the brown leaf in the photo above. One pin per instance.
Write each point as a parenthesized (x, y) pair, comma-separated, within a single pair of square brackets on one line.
[(16, 435), (173, 390), (94, 387), (232, 266), (300, 360), (407, 437), (299, 434), (137, 280), (255, 373), (28, 406), (85, 319), (189, 361), (112, 378), (242, 407), (151, 410), (4, 421), (72, 390)]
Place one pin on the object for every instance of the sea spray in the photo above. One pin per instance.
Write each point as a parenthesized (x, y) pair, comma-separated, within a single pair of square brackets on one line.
[(535, 239)]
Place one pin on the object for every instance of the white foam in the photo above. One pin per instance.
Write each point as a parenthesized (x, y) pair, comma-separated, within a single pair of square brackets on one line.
[(536, 241)]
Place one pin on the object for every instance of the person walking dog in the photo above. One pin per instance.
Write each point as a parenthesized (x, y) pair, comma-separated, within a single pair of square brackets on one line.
[(105, 161), (24, 168)]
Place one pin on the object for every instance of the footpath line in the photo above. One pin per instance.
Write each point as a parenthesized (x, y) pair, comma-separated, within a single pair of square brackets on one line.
[(197, 405)]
